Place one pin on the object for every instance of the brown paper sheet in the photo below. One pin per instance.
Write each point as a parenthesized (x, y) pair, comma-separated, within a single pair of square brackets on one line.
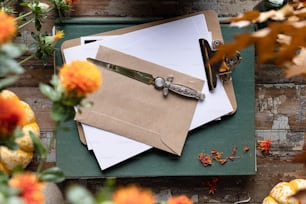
[(139, 111)]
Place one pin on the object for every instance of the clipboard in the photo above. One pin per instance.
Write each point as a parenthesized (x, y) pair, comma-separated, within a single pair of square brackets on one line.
[(237, 130), (213, 25)]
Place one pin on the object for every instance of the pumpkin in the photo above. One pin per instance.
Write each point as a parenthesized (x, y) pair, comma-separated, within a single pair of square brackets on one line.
[(9, 159), (283, 192)]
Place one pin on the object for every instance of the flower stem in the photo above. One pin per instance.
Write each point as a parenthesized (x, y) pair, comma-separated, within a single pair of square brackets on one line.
[(27, 58), (51, 142), (23, 16), (26, 23)]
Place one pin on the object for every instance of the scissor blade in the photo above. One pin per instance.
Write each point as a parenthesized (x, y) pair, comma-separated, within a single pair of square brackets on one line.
[(134, 74)]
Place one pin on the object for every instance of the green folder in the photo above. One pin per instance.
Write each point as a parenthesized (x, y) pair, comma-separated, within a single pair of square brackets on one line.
[(232, 132)]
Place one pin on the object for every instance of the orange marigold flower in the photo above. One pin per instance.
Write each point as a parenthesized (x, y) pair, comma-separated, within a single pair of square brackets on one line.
[(133, 195), (8, 27), (12, 115), (264, 146), (80, 77), (182, 199), (30, 187)]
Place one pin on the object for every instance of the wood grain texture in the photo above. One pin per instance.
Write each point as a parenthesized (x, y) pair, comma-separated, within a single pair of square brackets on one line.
[(280, 109)]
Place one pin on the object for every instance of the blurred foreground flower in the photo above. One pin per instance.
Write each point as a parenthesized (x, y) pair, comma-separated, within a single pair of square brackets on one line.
[(133, 195), (29, 186), (80, 78), (8, 27), (182, 199), (12, 115), (75, 80), (288, 22)]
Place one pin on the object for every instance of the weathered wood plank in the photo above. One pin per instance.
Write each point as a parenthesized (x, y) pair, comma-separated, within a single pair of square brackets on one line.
[(280, 107), (158, 8)]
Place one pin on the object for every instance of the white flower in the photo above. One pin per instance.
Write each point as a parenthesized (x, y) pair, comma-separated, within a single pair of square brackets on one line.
[(43, 6)]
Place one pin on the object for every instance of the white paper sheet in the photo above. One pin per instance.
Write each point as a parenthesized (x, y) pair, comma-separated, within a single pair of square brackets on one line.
[(174, 45)]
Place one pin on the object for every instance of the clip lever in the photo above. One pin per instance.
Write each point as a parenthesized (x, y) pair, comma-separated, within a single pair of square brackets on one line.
[(223, 68)]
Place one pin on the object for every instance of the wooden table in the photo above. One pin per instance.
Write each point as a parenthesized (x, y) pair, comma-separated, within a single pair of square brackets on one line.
[(280, 116)]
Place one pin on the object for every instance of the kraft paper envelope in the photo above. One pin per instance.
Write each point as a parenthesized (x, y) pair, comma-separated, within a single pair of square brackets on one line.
[(213, 25), (139, 111)]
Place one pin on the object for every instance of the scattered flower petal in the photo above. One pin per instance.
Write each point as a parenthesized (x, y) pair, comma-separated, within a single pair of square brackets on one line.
[(264, 146), (205, 159), (246, 148)]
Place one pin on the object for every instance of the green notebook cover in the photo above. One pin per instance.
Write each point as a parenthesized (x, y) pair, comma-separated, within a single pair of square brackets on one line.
[(237, 130)]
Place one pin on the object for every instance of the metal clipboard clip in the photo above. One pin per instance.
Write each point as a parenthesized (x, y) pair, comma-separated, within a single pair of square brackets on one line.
[(223, 68)]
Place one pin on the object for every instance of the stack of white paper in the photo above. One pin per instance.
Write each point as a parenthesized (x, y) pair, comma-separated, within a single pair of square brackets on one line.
[(174, 45)]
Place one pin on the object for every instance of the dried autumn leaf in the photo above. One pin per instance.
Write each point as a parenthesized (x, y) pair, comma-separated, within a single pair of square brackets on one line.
[(298, 65), (283, 39), (254, 16), (267, 44), (283, 13), (300, 157), (247, 16)]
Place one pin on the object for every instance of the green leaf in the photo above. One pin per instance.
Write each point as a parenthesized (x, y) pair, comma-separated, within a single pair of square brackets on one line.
[(9, 143), (14, 200), (9, 80), (13, 50), (53, 174), (8, 191), (105, 193), (3, 178), (9, 65), (49, 92), (87, 104), (80, 195), (61, 112), (40, 148)]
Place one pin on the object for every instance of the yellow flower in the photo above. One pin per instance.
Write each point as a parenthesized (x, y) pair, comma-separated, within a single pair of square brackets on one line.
[(80, 77), (12, 115), (59, 35), (133, 195), (182, 199), (30, 187), (51, 39), (8, 27)]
